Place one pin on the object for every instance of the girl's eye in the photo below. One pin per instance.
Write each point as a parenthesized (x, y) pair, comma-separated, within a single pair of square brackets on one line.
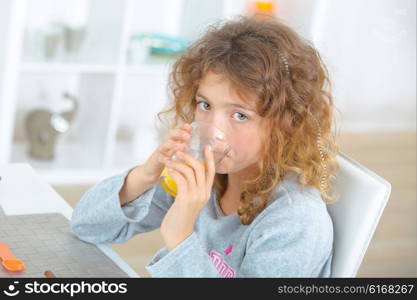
[(241, 117), (202, 102)]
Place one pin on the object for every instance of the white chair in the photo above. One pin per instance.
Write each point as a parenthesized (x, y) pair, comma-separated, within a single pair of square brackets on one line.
[(355, 215)]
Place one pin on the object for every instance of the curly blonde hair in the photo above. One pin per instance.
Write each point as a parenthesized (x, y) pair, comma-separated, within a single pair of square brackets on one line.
[(266, 58)]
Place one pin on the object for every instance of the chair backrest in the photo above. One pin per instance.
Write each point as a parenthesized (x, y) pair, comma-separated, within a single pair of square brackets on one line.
[(355, 215)]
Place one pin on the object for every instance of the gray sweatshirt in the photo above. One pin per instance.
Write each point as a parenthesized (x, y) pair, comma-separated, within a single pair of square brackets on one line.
[(291, 237)]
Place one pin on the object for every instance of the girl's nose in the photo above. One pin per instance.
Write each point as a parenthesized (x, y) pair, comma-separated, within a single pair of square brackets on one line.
[(218, 121)]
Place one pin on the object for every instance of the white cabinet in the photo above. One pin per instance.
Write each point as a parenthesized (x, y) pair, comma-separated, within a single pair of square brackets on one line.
[(49, 47)]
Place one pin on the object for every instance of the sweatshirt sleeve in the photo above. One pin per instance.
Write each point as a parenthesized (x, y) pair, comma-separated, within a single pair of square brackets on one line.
[(99, 217), (295, 241), (188, 259)]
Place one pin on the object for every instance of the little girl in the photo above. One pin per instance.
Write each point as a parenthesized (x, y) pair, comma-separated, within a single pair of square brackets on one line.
[(262, 212)]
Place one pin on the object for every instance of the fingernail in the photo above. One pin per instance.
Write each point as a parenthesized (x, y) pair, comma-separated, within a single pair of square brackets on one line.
[(179, 154), (209, 148)]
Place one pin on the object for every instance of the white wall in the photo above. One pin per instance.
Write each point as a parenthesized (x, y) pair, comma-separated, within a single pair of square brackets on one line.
[(4, 15), (298, 14), (11, 16), (370, 49)]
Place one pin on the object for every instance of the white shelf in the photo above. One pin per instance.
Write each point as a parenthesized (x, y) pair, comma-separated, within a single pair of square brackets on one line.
[(85, 176), (71, 166), (144, 68), (68, 68), (150, 69), (67, 156), (114, 95)]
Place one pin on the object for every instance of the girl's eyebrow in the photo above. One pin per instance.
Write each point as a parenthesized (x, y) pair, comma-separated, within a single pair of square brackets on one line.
[(229, 104)]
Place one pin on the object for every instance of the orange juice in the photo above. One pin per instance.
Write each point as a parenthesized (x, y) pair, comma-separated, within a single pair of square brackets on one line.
[(168, 184)]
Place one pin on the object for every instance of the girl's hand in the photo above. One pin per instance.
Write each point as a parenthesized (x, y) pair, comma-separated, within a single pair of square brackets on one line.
[(194, 182), (176, 141)]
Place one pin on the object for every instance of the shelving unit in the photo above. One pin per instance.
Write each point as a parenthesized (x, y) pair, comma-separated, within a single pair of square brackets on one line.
[(67, 68), (118, 101)]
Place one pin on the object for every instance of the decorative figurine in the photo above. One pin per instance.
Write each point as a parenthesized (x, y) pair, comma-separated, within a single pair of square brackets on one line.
[(43, 128)]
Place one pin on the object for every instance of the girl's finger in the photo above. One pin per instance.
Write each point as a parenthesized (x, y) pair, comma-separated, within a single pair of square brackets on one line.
[(210, 166), (186, 171), (181, 132), (180, 135), (179, 179), (177, 140), (171, 146), (187, 127), (196, 165)]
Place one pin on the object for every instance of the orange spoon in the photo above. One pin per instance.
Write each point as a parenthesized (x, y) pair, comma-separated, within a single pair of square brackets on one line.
[(10, 262)]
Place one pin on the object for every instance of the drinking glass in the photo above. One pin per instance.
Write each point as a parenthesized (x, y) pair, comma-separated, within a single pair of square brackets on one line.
[(202, 134)]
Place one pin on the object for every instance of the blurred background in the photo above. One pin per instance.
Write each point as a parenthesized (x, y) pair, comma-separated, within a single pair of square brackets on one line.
[(81, 82)]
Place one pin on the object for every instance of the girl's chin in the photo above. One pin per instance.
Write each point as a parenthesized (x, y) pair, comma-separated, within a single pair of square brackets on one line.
[(222, 168)]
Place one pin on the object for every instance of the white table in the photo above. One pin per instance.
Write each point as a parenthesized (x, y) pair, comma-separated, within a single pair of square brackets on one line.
[(23, 192)]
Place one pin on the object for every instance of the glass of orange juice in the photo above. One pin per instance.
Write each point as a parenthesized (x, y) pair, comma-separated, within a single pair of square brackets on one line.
[(202, 134)]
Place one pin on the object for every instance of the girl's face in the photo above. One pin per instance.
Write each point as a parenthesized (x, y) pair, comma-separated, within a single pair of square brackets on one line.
[(217, 103)]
